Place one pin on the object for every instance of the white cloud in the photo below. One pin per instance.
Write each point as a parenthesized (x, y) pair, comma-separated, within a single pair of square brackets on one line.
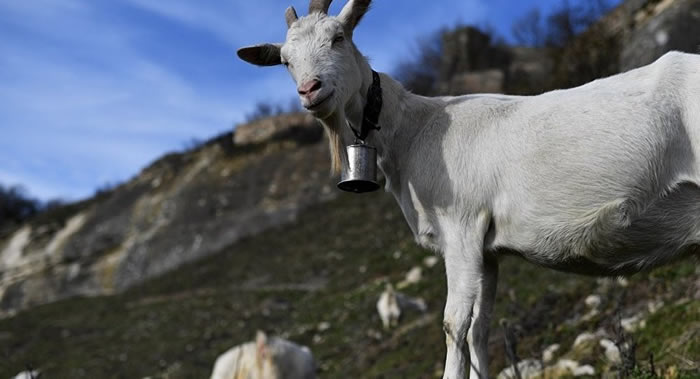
[(232, 22), (90, 106)]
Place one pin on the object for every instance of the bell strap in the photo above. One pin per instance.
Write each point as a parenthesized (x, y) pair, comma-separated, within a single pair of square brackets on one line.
[(370, 114)]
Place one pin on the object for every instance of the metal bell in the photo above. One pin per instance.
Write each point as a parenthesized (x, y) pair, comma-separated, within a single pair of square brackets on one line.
[(361, 173)]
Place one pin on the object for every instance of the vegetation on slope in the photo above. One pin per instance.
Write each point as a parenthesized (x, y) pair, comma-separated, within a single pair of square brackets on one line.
[(330, 266)]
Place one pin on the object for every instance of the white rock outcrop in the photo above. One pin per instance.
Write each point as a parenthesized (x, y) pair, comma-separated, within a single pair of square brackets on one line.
[(528, 368), (612, 352), (583, 338), (430, 261), (548, 353), (412, 277)]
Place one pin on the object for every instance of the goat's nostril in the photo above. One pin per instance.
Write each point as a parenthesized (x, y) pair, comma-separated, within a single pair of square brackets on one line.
[(316, 86), (309, 87)]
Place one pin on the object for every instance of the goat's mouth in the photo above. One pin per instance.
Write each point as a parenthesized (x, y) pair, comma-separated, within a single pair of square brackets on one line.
[(316, 104)]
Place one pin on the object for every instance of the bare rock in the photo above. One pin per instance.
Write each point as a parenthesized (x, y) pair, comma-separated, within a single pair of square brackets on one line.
[(657, 27), (430, 261), (527, 368), (633, 323), (323, 326), (568, 367), (484, 81), (593, 301), (412, 277), (612, 352), (584, 346), (266, 128), (583, 338), (182, 207), (549, 353)]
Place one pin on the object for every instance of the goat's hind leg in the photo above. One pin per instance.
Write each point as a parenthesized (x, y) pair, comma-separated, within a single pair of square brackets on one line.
[(478, 335)]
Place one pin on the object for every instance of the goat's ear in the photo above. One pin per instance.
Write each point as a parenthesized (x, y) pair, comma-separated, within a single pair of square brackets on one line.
[(353, 11), (290, 15), (267, 54), (261, 345)]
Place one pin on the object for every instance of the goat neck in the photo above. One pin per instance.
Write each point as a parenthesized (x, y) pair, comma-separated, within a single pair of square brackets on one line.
[(402, 117)]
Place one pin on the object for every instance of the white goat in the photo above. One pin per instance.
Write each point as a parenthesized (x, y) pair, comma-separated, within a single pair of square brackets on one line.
[(392, 303), (265, 358), (388, 307), (601, 179), (31, 374)]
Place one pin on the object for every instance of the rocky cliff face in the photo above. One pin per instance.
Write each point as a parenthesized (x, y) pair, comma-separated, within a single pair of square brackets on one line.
[(657, 26), (182, 207), (472, 64), (634, 34)]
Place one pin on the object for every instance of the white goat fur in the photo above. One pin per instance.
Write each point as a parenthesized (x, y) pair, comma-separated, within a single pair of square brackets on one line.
[(600, 179), (388, 307), (392, 303), (265, 358)]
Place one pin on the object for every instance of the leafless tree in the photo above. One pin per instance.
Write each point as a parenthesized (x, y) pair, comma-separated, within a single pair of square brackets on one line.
[(420, 71)]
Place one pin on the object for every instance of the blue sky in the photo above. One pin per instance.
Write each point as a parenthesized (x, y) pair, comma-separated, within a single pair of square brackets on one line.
[(93, 91)]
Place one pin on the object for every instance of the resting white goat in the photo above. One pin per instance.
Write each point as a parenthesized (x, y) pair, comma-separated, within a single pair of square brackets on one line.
[(265, 358), (601, 179)]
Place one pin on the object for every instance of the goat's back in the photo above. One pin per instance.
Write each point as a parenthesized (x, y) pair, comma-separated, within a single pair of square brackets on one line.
[(570, 173)]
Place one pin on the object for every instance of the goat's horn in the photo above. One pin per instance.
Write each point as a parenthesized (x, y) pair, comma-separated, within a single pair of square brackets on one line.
[(319, 6), (290, 15)]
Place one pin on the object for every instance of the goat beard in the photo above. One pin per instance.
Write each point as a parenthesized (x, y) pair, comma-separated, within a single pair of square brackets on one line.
[(337, 149), (334, 127)]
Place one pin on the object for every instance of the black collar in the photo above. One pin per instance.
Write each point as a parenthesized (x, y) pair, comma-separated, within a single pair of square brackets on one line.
[(370, 115)]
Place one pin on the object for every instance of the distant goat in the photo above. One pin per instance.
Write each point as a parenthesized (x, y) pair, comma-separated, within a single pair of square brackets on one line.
[(391, 304), (388, 307), (266, 358), (601, 179), (30, 374)]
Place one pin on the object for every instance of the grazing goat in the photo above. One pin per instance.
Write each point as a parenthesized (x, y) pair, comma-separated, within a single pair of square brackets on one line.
[(266, 358), (601, 179)]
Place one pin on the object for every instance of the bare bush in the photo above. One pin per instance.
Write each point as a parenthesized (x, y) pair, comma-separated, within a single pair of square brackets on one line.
[(559, 27), (528, 30), (265, 109), (16, 206), (419, 72)]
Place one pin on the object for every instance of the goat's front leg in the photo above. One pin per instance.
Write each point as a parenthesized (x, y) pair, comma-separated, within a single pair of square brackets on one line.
[(467, 275)]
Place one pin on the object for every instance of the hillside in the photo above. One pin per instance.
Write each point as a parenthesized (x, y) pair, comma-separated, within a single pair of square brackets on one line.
[(182, 207), (330, 267), (159, 275)]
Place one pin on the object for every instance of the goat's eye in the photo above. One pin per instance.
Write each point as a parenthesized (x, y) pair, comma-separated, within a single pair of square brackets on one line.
[(338, 39)]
